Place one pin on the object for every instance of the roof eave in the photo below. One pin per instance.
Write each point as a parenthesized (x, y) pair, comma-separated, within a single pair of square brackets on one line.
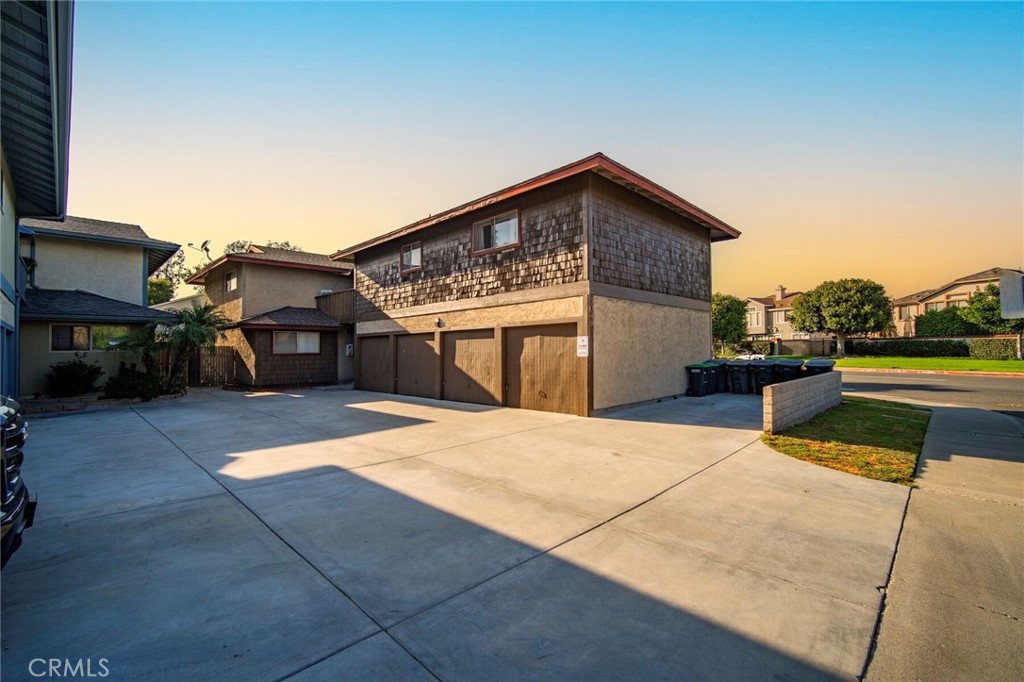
[(200, 277)]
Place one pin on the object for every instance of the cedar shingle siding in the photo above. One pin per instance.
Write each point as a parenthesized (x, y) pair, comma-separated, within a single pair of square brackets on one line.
[(639, 245), (551, 252), (293, 370)]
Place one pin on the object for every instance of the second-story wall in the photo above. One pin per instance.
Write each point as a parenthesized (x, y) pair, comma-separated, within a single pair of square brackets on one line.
[(550, 252), (641, 245), (113, 270), (269, 287)]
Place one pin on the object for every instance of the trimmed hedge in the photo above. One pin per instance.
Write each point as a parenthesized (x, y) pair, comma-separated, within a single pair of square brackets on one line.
[(945, 322), (994, 349), (762, 347), (911, 348)]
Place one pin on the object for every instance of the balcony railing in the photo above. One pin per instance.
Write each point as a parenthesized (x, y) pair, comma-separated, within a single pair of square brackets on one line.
[(339, 305)]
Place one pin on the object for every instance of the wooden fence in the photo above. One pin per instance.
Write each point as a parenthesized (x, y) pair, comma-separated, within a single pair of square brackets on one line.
[(339, 306), (209, 367)]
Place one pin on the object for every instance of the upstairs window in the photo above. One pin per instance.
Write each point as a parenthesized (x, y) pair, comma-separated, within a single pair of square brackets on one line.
[(412, 257), (230, 281), (929, 307), (908, 312), (499, 232)]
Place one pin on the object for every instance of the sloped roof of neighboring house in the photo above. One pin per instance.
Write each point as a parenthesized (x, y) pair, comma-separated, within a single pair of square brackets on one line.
[(983, 276), (90, 229), (267, 255), (598, 163), (85, 306), (771, 302), (289, 317)]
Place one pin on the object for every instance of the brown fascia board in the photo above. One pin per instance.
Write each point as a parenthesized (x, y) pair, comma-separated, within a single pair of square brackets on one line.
[(199, 277), (598, 163)]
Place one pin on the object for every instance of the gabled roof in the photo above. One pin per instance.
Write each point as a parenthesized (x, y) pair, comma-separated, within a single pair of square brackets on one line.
[(771, 302), (597, 163), (90, 229), (267, 255), (989, 275), (35, 105), (85, 306), (290, 317)]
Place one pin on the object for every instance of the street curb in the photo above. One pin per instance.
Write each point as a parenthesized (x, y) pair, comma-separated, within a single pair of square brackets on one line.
[(869, 370)]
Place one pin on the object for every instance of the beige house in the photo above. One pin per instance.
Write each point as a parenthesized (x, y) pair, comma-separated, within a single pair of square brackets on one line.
[(949, 295), (85, 288), (769, 318), (291, 315)]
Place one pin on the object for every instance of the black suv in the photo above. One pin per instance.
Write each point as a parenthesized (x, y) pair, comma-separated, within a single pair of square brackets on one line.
[(19, 508)]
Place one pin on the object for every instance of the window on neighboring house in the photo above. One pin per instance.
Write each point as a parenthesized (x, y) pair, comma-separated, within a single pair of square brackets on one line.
[(754, 318), (928, 307), (957, 300), (907, 312), (499, 232), (412, 257), (291, 343), (69, 337), (230, 281)]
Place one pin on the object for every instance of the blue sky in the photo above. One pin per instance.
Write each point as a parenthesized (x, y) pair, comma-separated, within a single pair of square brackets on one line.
[(868, 132)]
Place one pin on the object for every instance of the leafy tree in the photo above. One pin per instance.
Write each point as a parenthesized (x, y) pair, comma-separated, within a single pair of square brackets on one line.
[(728, 319), (843, 307), (196, 328), (983, 309), (239, 245), (142, 341), (946, 322), (160, 290)]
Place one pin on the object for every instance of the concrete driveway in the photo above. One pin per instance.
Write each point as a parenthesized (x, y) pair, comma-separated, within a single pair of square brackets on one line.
[(332, 534)]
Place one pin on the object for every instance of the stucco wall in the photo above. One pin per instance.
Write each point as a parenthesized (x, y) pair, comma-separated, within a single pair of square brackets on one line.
[(267, 287), (794, 402), (638, 244), (640, 350), (109, 270), (36, 357)]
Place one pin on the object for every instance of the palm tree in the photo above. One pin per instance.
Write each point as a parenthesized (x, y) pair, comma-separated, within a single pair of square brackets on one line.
[(196, 328)]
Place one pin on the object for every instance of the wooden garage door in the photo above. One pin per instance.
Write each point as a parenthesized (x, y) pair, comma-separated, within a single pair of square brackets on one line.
[(374, 360), (469, 358), (417, 364), (541, 368)]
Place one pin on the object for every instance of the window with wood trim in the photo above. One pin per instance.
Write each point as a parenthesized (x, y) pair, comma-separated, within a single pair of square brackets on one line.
[(496, 233), (412, 257), (296, 343), (230, 281)]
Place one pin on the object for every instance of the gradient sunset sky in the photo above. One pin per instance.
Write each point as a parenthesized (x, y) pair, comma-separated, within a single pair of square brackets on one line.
[(874, 140)]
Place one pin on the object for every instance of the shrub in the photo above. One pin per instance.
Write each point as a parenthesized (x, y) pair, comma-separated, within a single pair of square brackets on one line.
[(945, 322), (994, 349), (133, 383), (761, 347), (73, 377), (911, 348)]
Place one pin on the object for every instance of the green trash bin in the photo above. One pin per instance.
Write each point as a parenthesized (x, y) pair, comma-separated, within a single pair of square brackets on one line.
[(739, 376), (697, 380), (761, 374), (819, 366), (721, 374), (786, 369)]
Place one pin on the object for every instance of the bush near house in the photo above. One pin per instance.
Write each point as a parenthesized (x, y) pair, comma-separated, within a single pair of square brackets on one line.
[(761, 347), (911, 348), (994, 349), (946, 322), (130, 382), (73, 377)]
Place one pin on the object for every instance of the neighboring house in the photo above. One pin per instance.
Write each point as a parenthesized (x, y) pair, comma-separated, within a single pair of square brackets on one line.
[(86, 288), (581, 289), (290, 325), (768, 317), (949, 295), (180, 303), (35, 125)]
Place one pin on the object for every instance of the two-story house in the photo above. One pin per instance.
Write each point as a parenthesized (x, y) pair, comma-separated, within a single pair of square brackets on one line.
[(290, 312), (953, 294), (769, 318), (35, 128), (583, 288), (86, 288)]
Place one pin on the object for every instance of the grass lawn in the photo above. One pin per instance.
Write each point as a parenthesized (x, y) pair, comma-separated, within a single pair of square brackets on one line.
[(958, 364), (870, 438)]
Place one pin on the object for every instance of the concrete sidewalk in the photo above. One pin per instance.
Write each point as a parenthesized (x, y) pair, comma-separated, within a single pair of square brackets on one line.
[(954, 607)]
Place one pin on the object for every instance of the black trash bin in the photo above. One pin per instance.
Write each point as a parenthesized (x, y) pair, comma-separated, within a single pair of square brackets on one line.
[(739, 376), (819, 366), (761, 374), (721, 374), (786, 369), (697, 376)]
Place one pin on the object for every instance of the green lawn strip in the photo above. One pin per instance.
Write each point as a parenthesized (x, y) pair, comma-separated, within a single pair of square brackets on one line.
[(870, 438), (949, 364)]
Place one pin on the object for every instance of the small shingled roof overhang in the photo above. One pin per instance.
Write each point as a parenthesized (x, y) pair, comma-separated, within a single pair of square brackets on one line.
[(597, 163), (36, 40), (291, 318)]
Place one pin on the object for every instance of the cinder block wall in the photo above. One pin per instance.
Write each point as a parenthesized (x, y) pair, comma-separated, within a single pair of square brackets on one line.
[(794, 402)]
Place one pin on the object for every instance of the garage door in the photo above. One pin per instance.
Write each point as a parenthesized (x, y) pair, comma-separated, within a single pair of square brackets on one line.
[(541, 368), (469, 366), (374, 360), (417, 364)]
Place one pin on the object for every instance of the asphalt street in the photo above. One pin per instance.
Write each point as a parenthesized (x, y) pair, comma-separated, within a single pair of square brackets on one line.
[(1002, 394)]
